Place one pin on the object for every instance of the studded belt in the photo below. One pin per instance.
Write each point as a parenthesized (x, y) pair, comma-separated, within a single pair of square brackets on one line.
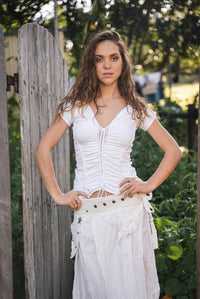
[(103, 204)]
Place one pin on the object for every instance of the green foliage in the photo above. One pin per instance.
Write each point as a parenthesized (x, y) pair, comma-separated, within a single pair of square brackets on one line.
[(176, 255), (18, 252), (81, 26), (15, 13), (175, 211), (16, 195), (160, 35), (146, 155), (163, 37), (176, 224), (15, 148), (177, 126)]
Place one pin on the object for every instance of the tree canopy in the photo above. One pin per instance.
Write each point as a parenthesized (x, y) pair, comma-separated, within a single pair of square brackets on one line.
[(160, 34), (15, 13)]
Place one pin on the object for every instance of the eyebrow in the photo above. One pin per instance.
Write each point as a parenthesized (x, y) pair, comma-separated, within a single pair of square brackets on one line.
[(109, 55)]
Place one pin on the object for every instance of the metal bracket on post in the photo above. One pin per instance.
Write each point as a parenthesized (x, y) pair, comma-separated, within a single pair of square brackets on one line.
[(13, 81)]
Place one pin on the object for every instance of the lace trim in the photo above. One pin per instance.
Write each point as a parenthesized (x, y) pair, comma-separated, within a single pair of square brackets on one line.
[(76, 231), (125, 222)]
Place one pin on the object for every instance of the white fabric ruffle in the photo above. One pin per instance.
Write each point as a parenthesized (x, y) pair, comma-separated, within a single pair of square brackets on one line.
[(114, 249)]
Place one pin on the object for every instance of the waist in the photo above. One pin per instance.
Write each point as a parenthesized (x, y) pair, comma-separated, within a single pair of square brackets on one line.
[(111, 202), (108, 177), (100, 193), (94, 184)]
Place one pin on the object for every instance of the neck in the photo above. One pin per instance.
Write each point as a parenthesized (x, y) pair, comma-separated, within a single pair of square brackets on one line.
[(108, 93)]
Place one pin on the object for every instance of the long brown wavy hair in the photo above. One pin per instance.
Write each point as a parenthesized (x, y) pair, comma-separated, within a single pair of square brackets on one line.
[(86, 88)]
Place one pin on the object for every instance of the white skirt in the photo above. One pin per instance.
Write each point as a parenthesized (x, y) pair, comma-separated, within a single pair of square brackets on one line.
[(113, 241)]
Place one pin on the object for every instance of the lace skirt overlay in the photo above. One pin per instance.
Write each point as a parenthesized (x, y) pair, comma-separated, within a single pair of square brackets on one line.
[(113, 241)]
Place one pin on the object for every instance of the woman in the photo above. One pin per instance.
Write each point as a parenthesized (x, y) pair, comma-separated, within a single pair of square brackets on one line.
[(113, 235)]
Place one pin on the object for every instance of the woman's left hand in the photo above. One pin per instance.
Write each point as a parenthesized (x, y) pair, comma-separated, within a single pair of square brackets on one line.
[(134, 185)]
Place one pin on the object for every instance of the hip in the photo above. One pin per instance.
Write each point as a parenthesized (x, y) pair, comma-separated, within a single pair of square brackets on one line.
[(112, 202)]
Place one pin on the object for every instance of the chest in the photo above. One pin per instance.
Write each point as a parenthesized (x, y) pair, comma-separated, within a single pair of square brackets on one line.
[(120, 132), (107, 114)]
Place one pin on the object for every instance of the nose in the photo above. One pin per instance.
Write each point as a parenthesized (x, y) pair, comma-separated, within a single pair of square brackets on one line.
[(107, 63)]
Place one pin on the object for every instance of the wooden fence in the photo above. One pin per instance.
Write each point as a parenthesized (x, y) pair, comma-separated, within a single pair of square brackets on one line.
[(10, 47), (6, 287), (43, 78)]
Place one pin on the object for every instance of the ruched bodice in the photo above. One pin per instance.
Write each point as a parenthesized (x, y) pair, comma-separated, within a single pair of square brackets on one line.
[(103, 154)]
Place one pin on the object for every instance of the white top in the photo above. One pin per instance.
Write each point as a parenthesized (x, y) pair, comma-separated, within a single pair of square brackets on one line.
[(103, 154)]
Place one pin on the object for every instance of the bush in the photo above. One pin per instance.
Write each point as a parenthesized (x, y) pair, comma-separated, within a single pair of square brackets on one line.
[(174, 203), (177, 126), (175, 219), (16, 197)]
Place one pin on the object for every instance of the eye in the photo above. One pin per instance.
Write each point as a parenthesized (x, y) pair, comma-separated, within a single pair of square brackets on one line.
[(115, 58), (98, 59)]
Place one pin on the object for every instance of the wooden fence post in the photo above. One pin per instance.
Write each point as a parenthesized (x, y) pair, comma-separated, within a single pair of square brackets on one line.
[(192, 127), (43, 78), (198, 206), (6, 285)]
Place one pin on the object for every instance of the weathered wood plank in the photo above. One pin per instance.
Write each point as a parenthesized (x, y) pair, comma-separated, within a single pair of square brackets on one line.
[(54, 76), (6, 285), (42, 83), (33, 65), (65, 185), (28, 229), (45, 221)]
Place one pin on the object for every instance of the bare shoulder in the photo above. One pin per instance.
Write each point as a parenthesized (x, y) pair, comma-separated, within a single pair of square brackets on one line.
[(59, 126)]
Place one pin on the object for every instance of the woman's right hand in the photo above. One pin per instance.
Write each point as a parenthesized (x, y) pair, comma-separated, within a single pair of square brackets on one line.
[(70, 199)]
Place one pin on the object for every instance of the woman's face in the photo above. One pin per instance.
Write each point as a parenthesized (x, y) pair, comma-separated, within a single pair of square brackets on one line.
[(108, 62)]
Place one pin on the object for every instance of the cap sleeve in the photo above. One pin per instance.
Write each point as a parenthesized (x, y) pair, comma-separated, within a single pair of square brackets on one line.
[(67, 115), (148, 120)]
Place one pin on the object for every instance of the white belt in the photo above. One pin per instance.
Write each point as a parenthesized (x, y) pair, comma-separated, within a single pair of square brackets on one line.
[(111, 202)]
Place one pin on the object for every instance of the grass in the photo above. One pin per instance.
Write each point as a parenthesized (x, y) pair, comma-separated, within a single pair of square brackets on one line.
[(183, 94)]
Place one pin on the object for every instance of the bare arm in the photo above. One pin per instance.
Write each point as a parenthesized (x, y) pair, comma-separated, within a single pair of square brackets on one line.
[(172, 155), (43, 157)]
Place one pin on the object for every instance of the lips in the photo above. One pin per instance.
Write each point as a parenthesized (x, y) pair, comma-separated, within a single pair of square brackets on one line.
[(107, 74)]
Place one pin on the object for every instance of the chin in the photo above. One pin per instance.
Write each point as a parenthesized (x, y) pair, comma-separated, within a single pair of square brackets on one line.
[(108, 82)]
